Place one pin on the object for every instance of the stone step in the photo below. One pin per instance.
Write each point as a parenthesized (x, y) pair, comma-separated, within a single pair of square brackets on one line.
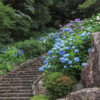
[(25, 73), (15, 87), (17, 79), (16, 95), (16, 91), (22, 76), (14, 98), (15, 84)]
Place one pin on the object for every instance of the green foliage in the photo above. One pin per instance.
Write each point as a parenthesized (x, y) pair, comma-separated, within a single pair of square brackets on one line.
[(57, 85), (22, 26), (40, 97), (6, 23), (92, 6), (9, 57), (38, 15), (32, 48), (68, 47), (25, 6), (42, 15)]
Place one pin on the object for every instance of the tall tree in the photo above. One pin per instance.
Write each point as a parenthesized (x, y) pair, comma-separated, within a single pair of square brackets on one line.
[(93, 6)]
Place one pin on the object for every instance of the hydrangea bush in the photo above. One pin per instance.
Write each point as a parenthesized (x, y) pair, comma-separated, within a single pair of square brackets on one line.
[(9, 56), (70, 48), (68, 54)]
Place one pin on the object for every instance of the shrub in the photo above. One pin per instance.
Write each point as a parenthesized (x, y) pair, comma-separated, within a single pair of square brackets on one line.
[(40, 97), (9, 57), (57, 84), (68, 47), (32, 48)]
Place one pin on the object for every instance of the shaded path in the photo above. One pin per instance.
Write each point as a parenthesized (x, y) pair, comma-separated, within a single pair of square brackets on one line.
[(17, 85)]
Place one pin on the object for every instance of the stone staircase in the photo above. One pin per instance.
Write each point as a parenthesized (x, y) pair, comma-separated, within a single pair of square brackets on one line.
[(17, 85)]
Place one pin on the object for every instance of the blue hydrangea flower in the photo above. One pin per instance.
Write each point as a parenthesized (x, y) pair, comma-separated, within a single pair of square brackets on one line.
[(83, 38), (65, 66), (4, 48), (64, 60), (45, 62), (70, 39), (66, 55), (73, 47), (83, 64), (89, 28), (70, 62), (64, 37), (4, 52), (70, 66), (62, 45), (76, 59), (83, 34), (70, 43), (49, 66), (0, 51), (53, 57), (54, 37), (89, 49), (71, 31), (61, 52), (57, 40), (50, 53), (41, 69), (66, 29), (61, 58), (71, 34), (48, 58), (76, 51), (66, 48)]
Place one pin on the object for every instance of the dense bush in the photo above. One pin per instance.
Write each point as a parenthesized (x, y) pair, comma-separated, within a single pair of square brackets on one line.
[(69, 54), (32, 48), (9, 57), (57, 85), (70, 43)]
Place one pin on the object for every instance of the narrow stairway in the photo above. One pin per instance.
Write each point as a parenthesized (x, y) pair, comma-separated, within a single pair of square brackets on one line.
[(17, 85)]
